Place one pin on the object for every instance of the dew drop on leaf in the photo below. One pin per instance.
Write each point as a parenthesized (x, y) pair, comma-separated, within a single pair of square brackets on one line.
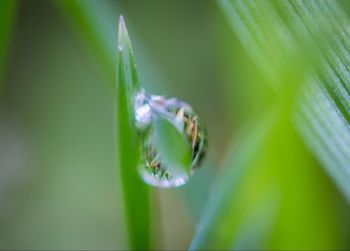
[(173, 140)]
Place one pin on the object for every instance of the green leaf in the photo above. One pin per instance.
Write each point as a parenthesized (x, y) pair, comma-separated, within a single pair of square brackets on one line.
[(89, 19), (7, 17), (323, 25), (263, 214), (136, 193), (270, 194), (323, 114), (305, 213), (172, 146), (216, 229)]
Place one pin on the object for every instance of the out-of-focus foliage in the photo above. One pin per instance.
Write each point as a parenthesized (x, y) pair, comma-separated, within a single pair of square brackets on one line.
[(273, 93), (91, 21), (256, 203), (304, 26), (7, 20), (271, 32)]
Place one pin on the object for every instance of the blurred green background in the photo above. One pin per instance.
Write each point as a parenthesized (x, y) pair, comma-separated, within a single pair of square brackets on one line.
[(59, 184)]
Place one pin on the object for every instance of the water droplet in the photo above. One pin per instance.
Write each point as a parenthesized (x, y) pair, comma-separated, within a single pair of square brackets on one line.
[(147, 109)]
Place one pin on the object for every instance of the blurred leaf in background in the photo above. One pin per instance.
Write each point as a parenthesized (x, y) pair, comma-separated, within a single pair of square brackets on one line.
[(8, 10), (67, 196)]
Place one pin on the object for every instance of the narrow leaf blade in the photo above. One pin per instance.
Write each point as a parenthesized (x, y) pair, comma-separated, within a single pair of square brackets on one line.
[(218, 224), (286, 165), (136, 193), (324, 25), (90, 19)]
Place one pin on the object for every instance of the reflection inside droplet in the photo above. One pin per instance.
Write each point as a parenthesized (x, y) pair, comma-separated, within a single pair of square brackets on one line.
[(147, 108)]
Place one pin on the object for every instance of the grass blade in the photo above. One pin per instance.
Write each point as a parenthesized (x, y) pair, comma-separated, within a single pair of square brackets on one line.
[(136, 193), (7, 17), (265, 198), (89, 19), (271, 31), (297, 21), (210, 233)]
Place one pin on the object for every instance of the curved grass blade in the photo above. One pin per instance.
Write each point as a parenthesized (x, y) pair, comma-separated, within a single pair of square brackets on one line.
[(255, 236), (216, 230), (136, 194), (323, 25), (267, 29), (265, 198), (7, 17)]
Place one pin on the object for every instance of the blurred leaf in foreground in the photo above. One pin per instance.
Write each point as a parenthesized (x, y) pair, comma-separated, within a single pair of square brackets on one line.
[(304, 213), (136, 193), (323, 110), (271, 195), (216, 228)]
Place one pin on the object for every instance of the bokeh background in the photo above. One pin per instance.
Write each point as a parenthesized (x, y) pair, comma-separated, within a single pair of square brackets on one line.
[(59, 183)]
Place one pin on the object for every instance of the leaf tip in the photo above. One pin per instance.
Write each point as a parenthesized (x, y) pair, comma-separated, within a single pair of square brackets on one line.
[(123, 37), (121, 23)]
